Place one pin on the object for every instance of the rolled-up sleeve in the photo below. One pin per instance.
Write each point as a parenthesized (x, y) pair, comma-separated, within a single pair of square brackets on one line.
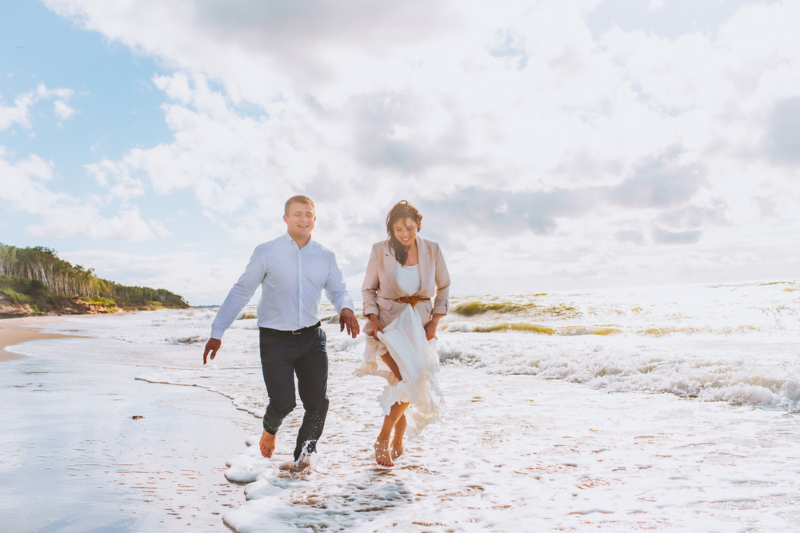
[(336, 289), (441, 304), (371, 282), (240, 294)]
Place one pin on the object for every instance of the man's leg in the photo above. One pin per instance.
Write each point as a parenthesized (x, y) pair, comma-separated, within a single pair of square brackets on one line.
[(312, 384), (277, 365)]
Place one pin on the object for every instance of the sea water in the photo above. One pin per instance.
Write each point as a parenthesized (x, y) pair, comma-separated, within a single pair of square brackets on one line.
[(653, 408)]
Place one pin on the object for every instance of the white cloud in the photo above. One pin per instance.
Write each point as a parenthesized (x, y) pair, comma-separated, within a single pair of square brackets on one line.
[(194, 275), (61, 220), (24, 188), (42, 92), (24, 183), (19, 113), (63, 110), (522, 115)]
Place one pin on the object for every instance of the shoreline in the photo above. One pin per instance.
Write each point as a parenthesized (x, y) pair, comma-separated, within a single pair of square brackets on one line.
[(104, 448), (90, 448), (145, 458), (15, 331)]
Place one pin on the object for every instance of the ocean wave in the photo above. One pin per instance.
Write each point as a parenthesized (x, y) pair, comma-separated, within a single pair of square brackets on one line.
[(527, 327), (194, 340), (707, 375), (669, 330), (610, 329), (476, 307), (735, 344)]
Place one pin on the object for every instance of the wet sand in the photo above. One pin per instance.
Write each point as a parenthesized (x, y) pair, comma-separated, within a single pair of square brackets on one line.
[(521, 453), (74, 458), (17, 330), (514, 448)]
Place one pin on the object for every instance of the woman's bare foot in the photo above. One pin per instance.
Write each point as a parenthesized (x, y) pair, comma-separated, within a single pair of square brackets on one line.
[(391, 422), (382, 454), (397, 449)]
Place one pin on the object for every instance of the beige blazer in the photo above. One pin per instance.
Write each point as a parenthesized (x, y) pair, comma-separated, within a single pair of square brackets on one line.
[(380, 288)]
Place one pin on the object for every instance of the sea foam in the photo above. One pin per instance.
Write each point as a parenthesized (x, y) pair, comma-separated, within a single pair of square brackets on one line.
[(570, 450)]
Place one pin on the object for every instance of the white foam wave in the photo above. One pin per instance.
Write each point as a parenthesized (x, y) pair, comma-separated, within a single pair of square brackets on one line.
[(504, 454), (759, 309), (741, 373)]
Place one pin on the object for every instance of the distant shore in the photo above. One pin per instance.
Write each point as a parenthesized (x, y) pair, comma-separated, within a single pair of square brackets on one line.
[(73, 306), (18, 330)]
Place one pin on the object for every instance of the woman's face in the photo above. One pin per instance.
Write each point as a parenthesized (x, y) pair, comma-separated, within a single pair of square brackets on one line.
[(405, 231)]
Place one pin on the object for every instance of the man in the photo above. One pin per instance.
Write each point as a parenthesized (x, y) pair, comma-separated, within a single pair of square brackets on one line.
[(292, 271)]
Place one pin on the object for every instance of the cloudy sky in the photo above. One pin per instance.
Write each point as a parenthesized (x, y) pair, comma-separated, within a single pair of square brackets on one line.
[(549, 144)]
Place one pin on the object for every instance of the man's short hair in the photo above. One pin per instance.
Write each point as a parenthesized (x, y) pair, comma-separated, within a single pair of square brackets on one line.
[(299, 199)]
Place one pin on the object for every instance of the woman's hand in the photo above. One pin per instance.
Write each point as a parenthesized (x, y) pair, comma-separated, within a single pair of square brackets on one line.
[(376, 325), (430, 327)]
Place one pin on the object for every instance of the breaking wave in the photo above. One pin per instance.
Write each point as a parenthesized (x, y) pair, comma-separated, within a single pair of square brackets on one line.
[(477, 307), (740, 376), (735, 343), (756, 308), (529, 328)]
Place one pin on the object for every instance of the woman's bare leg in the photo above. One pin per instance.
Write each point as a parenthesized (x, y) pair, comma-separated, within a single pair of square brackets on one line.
[(386, 358), (397, 440), (382, 454), (395, 421)]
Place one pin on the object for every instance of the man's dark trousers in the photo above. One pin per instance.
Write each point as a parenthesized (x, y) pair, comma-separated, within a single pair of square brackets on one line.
[(284, 354)]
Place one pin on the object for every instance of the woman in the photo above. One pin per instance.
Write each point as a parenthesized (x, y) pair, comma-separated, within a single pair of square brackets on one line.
[(403, 274)]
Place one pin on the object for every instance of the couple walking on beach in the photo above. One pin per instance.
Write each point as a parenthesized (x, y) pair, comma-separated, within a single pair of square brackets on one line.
[(405, 293)]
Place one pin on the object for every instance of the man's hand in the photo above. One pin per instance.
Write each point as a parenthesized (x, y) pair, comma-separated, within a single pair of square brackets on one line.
[(348, 319), (213, 345)]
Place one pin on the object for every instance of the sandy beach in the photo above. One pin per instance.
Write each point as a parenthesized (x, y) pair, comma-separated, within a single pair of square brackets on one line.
[(73, 458), (18, 330), (590, 207), (670, 410)]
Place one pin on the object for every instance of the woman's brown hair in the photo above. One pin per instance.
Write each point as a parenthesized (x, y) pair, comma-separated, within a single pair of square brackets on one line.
[(401, 211)]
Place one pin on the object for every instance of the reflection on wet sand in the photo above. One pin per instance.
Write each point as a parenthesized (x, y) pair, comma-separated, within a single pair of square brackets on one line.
[(78, 459)]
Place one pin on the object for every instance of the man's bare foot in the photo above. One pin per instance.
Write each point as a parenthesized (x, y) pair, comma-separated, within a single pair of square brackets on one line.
[(296, 466), (267, 444), (288, 466), (382, 454), (397, 449)]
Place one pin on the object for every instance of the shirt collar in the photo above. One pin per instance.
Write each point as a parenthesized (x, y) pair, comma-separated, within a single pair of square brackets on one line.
[(292, 241)]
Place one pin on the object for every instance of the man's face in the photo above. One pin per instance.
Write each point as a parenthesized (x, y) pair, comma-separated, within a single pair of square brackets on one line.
[(300, 220)]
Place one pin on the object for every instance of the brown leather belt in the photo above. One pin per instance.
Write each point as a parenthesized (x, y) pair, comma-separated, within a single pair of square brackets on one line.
[(413, 300)]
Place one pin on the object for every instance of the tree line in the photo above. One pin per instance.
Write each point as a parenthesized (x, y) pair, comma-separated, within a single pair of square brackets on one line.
[(62, 278)]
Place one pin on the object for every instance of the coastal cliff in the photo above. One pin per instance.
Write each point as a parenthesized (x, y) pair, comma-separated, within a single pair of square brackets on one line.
[(10, 308), (35, 281)]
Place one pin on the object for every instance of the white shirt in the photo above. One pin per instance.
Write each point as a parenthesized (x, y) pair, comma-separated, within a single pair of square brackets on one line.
[(291, 279), (408, 279)]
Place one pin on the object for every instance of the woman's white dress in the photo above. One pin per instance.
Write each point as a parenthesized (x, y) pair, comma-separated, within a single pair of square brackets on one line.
[(416, 357)]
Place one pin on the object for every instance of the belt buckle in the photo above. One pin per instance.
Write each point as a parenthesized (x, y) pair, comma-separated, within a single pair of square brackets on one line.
[(298, 331)]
